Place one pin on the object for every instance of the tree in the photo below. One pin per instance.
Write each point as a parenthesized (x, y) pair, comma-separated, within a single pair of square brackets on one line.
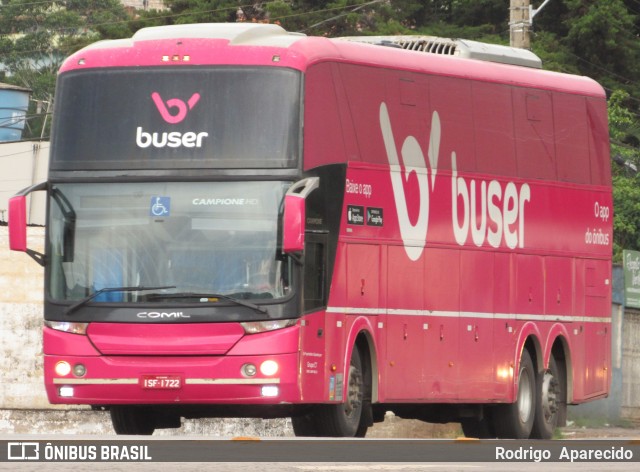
[(202, 11), (603, 35), (624, 130), (35, 37)]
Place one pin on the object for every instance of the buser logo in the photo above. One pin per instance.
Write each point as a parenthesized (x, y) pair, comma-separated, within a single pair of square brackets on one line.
[(492, 212), (172, 111), (414, 236), (174, 104)]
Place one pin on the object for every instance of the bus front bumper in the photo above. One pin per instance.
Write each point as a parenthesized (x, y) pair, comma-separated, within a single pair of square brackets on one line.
[(116, 380)]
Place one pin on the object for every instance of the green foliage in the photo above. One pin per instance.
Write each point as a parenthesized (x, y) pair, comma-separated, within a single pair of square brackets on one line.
[(604, 36), (35, 37), (624, 130), (202, 11), (554, 56), (626, 222)]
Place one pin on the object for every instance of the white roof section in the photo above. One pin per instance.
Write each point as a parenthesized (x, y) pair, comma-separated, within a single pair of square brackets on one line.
[(256, 34), (455, 47)]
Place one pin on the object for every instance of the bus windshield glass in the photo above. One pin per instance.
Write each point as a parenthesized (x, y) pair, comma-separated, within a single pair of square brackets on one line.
[(188, 238), (177, 118)]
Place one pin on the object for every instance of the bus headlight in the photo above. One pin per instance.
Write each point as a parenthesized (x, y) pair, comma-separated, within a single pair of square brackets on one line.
[(79, 370), (270, 391), (67, 327), (269, 368), (62, 368), (65, 392), (254, 327), (249, 370)]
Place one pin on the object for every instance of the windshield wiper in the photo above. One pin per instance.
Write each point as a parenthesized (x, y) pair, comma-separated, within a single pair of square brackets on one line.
[(208, 297), (86, 300)]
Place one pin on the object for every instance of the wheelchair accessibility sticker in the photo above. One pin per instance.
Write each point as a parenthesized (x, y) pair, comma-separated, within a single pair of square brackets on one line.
[(160, 206)]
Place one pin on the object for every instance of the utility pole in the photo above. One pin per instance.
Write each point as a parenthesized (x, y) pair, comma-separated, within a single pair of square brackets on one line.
[(521, 15), (519, 24)]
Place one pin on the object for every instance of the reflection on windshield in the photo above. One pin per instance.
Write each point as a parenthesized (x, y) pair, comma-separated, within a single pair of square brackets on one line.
[(199, 237)]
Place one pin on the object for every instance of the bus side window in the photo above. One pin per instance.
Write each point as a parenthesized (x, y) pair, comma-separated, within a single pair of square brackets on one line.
[(315, 293)]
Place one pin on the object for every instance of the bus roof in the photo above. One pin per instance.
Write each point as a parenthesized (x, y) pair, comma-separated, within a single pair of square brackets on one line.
[(271, 45)]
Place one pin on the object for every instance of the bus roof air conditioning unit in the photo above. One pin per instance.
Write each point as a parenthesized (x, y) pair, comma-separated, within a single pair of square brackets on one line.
[(455, 47)]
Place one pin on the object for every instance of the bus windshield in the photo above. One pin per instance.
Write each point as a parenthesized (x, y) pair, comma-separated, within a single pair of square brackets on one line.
[(192, 238)]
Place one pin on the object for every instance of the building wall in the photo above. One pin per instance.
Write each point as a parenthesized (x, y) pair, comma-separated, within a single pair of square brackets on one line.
[(22, 164), (630, 407), (21, 294), (144, 5)]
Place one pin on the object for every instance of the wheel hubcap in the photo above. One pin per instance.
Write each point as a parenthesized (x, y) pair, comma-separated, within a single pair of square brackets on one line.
[(550, 393), (525, 396), (354, 394)]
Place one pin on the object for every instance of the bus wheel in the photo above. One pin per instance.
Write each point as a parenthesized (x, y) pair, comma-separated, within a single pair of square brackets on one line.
[(304, 425), (341, 420), (478, 428), (515, 420), (550, 397), (345, 419), (132, 420)]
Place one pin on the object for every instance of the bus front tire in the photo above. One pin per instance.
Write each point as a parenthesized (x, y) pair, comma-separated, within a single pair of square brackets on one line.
[(341, 419), (480, 428), (132, 420)]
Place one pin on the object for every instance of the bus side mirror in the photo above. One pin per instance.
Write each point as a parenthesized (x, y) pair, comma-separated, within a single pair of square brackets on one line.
[(293, 224), (18, 223), (294, 214)]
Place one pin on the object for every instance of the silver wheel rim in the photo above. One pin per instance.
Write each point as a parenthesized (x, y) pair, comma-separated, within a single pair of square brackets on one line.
[(550, 395), (525, 396), (354, 394)]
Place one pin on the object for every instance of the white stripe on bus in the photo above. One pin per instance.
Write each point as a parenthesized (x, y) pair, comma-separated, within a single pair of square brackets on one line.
[(466, 314)]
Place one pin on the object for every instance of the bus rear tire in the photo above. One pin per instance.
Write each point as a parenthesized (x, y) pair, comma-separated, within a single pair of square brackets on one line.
[(550, 397), (132, 420), (515, 420)]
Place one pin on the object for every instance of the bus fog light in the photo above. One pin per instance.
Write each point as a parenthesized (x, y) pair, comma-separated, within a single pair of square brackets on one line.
[(249, 370), (65, 392), (79, 370), (269, 368), (62, 368), (270, 391)]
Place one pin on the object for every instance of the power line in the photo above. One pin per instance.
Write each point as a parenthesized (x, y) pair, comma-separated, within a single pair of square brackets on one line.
[(23, 152), (51, 2), (603, 69), (357, 7), (89, 25)]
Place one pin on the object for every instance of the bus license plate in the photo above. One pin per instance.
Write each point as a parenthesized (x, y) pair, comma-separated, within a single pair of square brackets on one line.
[(161, 381)]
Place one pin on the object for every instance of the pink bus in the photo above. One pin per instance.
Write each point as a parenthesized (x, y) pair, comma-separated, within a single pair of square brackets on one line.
[(248, 222)]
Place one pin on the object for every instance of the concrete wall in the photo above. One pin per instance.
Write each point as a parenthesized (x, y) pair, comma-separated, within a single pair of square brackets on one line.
[(23, 164), (21, 293), (608, 410), (144, 5), (630, 408)]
